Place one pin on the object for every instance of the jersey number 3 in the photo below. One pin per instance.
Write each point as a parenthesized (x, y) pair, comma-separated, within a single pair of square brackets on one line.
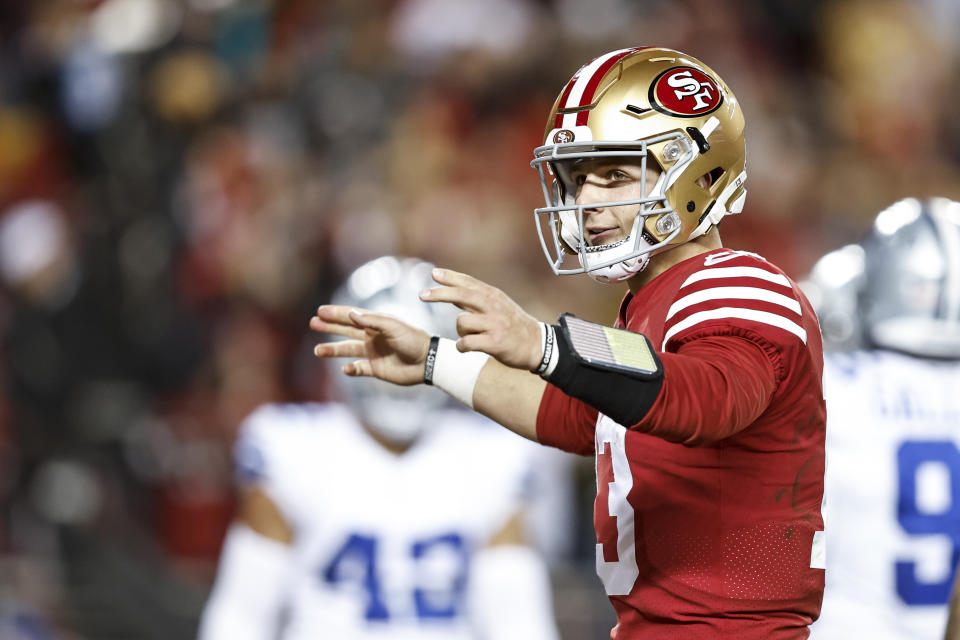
[(914, 459), (613, 515)]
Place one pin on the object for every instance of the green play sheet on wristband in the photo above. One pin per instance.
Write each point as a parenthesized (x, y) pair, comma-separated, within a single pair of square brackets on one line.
[(603, 345), (630, 349)]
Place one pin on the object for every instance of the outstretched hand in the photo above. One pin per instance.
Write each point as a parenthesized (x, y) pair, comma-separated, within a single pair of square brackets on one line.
[(388, 348), (492, 323), (385, 347)]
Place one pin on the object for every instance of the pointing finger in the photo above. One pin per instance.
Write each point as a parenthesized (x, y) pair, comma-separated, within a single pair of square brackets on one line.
[(341, 349), (465, 298), (380, 322), (453, 278), (336, 313), (322, 326)]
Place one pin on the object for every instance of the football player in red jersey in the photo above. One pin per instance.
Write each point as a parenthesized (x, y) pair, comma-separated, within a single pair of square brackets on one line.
[(703, 404)]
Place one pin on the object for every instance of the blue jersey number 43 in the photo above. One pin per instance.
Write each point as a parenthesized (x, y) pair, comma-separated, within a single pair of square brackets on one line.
[(358, 563), (915, 521)]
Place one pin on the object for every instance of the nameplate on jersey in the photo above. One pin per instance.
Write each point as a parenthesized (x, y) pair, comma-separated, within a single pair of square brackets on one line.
[(616, 350)]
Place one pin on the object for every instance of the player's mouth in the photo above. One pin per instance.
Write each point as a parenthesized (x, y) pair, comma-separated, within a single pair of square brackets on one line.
[(597, 236)]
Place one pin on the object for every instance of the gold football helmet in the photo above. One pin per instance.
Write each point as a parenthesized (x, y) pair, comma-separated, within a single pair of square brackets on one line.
[(646, 105)]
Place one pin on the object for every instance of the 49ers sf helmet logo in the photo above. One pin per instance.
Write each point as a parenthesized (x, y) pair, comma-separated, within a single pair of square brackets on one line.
[(685, 92)]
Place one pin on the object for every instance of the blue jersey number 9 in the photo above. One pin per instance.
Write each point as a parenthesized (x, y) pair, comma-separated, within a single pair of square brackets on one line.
[(911, 456)]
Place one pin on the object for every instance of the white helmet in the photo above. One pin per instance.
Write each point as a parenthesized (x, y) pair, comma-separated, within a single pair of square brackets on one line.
[(833, 287), (392, 285), (910, 300)]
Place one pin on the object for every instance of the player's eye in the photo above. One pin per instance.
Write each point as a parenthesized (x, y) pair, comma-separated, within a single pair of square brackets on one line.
[(618, 175)]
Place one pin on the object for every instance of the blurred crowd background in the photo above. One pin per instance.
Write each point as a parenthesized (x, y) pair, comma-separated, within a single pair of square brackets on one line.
[(182, 182)]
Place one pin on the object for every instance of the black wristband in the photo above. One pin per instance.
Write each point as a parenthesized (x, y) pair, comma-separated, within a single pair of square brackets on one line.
[(431, 360)]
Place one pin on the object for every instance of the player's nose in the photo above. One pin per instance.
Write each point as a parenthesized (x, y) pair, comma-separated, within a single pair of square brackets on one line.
[(589, 193)]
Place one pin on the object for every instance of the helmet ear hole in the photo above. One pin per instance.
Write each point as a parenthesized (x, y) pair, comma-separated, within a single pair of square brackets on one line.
[(710, 178)]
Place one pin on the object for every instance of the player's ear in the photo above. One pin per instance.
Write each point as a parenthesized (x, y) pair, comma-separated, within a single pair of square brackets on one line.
[(705, 181)]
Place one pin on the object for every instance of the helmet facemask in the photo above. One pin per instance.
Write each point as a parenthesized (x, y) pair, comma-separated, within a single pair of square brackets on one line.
[(562, 220)]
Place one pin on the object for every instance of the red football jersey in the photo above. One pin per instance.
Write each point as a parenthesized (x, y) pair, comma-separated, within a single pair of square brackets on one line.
[(708, 511)]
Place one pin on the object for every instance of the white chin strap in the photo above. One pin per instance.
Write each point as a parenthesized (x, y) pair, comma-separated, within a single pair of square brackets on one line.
[(625, 268), (621, 271), (610, 263)]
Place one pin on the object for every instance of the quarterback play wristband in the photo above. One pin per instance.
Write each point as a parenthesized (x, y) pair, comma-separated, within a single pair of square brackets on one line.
[(613, 370), (452, 371), (611, 349)]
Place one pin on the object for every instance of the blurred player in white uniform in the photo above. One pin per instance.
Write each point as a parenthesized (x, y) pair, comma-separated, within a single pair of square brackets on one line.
[(890, 309), (391, 516)]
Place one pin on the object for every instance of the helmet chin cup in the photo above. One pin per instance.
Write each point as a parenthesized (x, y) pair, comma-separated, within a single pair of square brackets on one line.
[(619, 261), (621, 271)]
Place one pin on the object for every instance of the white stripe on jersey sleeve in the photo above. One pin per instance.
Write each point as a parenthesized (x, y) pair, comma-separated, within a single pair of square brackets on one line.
[(737, 272), (738, 293), (763, 317)]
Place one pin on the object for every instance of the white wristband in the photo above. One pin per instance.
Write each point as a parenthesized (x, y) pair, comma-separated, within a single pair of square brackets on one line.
[(550, 354), (457, 373)]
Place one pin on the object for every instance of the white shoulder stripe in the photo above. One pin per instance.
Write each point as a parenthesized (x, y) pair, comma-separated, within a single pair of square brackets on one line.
[(763, 317), (737, 272), (738, 293)]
